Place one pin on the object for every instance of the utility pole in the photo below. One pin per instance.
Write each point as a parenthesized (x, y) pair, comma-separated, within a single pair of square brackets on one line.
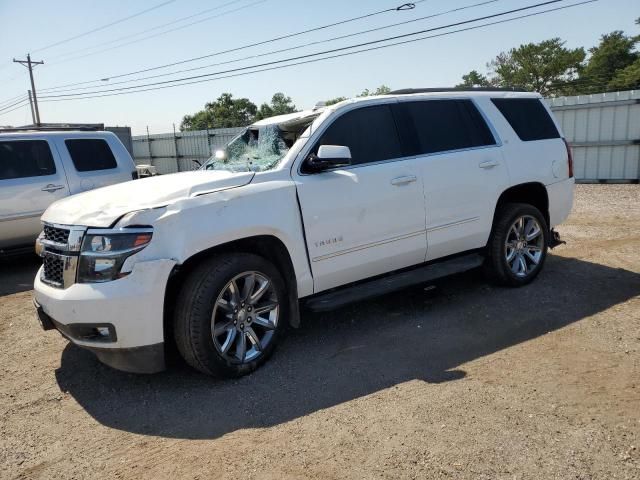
[(33, 115), (29, 64)]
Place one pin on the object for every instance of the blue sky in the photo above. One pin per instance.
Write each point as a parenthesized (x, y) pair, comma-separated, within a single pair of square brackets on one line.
[(30, 26)]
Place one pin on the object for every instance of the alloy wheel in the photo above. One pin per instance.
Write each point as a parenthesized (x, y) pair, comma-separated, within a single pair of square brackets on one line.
[(524, 246), (245, 317)]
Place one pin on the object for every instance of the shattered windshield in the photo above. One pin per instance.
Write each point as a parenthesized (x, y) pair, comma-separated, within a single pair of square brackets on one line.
[(255, 150)]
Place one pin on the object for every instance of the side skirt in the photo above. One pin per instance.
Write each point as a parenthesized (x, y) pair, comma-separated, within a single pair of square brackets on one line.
[(390, 283)]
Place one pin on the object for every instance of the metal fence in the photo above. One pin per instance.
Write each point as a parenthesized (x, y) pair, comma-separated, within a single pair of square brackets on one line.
[(124, 134), (180, 151), (604, 131)]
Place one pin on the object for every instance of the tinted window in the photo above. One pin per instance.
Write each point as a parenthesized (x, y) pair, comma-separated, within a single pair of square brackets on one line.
[(369, 132), (528, 117), (441, 125), (25, 158), (91, 154)]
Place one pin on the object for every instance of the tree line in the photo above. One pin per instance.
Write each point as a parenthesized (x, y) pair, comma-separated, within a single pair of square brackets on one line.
[(548, 67), (552, 69), (229, 112)]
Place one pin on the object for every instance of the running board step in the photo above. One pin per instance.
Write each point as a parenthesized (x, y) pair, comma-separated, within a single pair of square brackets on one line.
[(373, 288)]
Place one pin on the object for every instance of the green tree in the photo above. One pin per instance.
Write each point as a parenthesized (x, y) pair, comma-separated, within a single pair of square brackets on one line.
[(474, 79), (225, 112), (627, 78), (608, 60), (381, 90), (333, 101), (546, 67), (280, 105)]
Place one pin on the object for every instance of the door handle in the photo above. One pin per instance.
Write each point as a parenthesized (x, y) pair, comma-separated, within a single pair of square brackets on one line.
[(404, 180), (489, 164), (52, 188)]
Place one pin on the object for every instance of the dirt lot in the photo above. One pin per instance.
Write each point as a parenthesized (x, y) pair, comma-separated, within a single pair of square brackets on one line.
[(466, 382)]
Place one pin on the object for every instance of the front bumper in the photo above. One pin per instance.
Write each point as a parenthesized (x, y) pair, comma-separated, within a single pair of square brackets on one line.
[(129, 311)]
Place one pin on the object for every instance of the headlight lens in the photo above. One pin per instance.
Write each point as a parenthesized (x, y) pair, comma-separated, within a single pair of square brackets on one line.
[(103, 254)]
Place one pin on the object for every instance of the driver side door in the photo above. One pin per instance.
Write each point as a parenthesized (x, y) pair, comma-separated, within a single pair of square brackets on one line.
[(368, 218)]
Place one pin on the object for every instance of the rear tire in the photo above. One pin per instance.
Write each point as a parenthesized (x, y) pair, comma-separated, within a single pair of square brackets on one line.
[(230, 313), (517, 248)]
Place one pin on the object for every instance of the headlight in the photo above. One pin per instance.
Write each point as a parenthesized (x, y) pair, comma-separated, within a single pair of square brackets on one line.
[(104, 252)]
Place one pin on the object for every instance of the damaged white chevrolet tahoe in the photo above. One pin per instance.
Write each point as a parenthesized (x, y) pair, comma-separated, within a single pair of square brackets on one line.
[(323, 207)]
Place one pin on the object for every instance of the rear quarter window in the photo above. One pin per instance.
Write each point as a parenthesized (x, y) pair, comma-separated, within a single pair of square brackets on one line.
[(89, 154), (528, 117), (25, 158)]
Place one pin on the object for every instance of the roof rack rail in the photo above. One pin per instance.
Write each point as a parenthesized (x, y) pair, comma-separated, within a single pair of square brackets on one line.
[(409, 91), (53, 127)]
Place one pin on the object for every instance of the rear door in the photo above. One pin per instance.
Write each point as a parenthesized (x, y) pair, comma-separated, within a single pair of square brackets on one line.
[(368, 218), (31, 178), (94, 162), (462, 169)]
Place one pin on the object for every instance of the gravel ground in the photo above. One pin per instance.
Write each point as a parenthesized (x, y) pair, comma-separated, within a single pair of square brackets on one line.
[(465, 381)]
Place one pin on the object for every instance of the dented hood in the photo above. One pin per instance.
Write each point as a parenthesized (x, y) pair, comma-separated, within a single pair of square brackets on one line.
[(103, 206)]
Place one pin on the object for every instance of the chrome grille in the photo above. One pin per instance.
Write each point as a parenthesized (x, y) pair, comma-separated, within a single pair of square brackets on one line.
[(55, 234), (60, 249), (53, 270)]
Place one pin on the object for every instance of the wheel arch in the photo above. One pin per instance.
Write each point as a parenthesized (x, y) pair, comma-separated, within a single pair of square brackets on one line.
[(532, 193), (269, 247)]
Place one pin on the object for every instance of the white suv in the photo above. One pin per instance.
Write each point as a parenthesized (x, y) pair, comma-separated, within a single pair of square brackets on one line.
[(323, 207), (39, 167)]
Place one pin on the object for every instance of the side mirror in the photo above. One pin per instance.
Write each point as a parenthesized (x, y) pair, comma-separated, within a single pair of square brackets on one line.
[(329, 156)]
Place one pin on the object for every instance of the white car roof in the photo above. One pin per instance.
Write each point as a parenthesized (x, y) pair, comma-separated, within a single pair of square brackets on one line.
[(55, 133)]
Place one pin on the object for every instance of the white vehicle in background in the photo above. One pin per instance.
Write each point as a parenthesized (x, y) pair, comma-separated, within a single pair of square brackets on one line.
[(323, 207), (39, 167)]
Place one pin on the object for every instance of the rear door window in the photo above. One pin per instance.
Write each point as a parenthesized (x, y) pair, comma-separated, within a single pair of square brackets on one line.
[(90, 154), (369, 132), (434, 126), (25, 158), (528, 118)]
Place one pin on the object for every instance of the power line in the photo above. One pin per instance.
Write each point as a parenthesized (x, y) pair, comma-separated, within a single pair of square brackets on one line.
[(296, 47), (310, 55), (208, 18), (16, 108), (125, 37), (8, 100), (403, 7), (380, 47), (22, 99), (103, 27), (160, 33)]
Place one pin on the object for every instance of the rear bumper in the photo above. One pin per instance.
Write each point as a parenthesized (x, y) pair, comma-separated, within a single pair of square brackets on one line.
[(560, 201)]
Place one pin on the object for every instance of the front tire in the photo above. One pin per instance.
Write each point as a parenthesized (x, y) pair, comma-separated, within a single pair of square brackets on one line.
[(230, 314), (518, 245)]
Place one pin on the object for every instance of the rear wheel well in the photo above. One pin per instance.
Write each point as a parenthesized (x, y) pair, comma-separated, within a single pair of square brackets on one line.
[(531, 193), (267, 246)]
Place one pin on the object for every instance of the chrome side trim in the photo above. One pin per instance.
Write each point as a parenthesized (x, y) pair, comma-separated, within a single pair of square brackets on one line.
[(452, 224), (368, 245)]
